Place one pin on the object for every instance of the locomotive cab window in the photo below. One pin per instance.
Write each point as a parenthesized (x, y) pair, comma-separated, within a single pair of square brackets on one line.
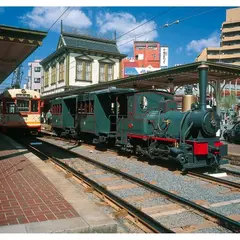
[(143, 103), (34, 106), (122, 106), (23, 105)]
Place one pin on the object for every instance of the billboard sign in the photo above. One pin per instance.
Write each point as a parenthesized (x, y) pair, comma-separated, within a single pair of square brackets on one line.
[(130, 71), (164, 57)]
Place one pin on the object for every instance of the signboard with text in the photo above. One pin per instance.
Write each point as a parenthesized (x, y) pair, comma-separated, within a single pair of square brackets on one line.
[(129, 71), (164, 57)]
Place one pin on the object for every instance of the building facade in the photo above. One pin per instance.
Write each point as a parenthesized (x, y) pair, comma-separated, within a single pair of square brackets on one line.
[(147, 53), (146, 58), (229, 50), (35, 76), (80, 60)]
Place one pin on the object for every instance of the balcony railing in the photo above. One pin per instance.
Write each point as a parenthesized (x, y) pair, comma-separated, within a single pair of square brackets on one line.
[(227, 39)]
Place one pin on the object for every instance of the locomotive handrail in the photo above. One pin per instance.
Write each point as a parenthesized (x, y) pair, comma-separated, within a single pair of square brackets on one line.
[(181, 124), (187, 132)]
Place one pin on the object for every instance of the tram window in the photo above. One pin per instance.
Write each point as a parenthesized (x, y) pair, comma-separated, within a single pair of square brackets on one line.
[(11, 107), (23, 105), (34, 106)]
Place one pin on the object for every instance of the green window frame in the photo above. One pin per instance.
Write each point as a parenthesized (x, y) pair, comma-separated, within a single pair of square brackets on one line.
[(83, 70), (106, 72), (53, 75), (46, 78), (61, 71)]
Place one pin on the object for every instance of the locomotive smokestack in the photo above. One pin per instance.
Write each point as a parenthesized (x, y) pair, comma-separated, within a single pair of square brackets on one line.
[(203, 81)]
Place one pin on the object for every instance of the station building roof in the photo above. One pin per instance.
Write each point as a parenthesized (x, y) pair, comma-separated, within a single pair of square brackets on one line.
[(83, 43), (16, 44), (178, 76)]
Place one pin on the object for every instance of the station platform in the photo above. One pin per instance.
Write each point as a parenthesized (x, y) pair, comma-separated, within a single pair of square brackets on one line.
[(36, 198)]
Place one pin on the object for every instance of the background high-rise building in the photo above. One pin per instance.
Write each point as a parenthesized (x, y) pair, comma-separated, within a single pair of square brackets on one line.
[(229, 49), (35, 76)]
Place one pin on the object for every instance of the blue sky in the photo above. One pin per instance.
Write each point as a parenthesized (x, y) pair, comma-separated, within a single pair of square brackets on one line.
[(185, 40)]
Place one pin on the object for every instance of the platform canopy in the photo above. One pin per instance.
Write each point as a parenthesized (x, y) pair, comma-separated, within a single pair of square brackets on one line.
[(175, 76), (16, 44)]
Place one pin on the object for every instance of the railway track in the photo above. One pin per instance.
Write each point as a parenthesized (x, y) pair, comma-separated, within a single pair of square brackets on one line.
[(219, 181), (211, 179), (149, 223)]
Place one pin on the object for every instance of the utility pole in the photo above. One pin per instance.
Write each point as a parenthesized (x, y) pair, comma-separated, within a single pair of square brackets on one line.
[(17, 77)]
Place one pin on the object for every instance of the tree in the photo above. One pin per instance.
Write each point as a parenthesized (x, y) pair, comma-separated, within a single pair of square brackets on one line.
[(228, 101)]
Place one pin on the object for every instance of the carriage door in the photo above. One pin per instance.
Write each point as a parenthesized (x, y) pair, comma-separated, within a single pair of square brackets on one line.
[(71, 111), (113, 116), (122, 113)]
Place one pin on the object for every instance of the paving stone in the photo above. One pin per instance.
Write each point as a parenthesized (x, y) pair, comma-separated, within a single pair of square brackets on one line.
[(35, 195)]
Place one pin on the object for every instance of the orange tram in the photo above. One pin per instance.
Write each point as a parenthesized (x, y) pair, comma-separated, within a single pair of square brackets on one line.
[(20, 111)]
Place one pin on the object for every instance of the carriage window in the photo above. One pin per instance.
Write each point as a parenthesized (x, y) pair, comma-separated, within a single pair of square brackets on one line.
[(11, 107), (143, 103), (34, 106), (91, 106), (23, 105)]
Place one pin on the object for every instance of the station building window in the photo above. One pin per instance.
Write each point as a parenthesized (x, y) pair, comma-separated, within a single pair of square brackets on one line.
[(106, 72), (61, 71), (46, 78), (53, 75), (83, 70)]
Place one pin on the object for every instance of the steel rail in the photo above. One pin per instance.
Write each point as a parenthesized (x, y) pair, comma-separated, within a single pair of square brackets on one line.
[(145, 219), (231, 172), (214, 179), (222, 220)]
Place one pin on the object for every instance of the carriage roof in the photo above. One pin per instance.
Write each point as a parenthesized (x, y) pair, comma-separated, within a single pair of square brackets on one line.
[(12, 93)]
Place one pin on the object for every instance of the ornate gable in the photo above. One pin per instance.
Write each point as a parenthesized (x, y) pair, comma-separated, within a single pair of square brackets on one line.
[(61, 42), (84, 57), (106, 60)]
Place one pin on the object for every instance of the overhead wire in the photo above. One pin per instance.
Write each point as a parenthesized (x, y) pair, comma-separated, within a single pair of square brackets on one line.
[(158, 15), (153, 29), (142, 34), (167, 25), (58, 18)]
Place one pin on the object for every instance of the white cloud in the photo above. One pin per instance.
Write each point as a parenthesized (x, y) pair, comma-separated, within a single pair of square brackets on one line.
[(199, 45), (44, 17), (122, 23), (179, 50)]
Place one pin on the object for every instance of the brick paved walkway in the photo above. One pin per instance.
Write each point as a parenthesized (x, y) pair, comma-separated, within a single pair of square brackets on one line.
[(26, 195)]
